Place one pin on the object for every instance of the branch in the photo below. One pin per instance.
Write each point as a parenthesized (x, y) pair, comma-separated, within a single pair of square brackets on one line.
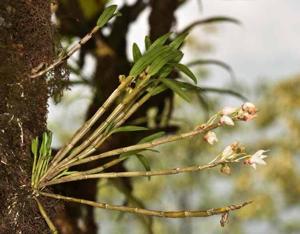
[(38, 72), (156, 213), (160, 141), (173, 171)]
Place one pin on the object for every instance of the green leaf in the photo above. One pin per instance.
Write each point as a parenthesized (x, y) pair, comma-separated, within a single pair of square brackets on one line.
[(49, 141), (160, 41), (43, 149), (183, 68), (177, 42), (147, 42), (162, 60), (35, 146), (136, 52), (213, 62), (129, 128), (210, 89), (158, 89), (144, 161), (176, 88), (147, 59), (130, 153), (151, 137), (106, 15)]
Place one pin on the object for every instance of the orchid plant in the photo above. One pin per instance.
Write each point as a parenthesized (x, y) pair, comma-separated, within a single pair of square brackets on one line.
[(151, 75)]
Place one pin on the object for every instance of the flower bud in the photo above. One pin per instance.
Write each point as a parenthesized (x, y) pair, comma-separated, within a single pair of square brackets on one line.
[(225, 119), (210, 137), (249, 108), (225, 169)]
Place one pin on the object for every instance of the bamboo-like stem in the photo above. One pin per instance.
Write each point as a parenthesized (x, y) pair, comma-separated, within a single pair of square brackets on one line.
[(160, 141), (95, 144), (156, 213), (88, 142), (66, 55), (86, 127), (119, 121), (101, 168), (46, 217), (173, 171), (90, 145)]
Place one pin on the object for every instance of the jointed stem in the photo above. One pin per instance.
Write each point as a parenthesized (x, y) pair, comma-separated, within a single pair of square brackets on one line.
[(148, 145), (87, 126), (68, 54), (157, 213), (85, 176), (46, 217)]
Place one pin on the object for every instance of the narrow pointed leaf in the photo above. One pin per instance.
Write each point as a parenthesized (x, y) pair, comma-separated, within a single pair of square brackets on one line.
[(210, 89), (147, 59), (129, 128), (158, 89), (176, 88), (213, 62), (147, 42), (35, 146), (161, 61), (144, 161), (177, 42), (136, 52), (106, 15), (160, 41), (183, 68), (152, 137)]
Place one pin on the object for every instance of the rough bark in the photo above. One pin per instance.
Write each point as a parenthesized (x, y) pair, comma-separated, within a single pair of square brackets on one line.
[(26, 41)]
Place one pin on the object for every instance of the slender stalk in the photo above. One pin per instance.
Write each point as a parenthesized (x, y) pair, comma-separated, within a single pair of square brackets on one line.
[(156, 213), (46, 217), (88, 142), (66, 55), (95, 144), (86, 127), (173, 171), (120, 120), (160, 141)]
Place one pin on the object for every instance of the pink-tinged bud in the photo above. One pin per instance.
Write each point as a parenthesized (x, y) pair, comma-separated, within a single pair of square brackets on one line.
[(228, 110), (225, 119), (249, 107), (245, 116), (210, 138)]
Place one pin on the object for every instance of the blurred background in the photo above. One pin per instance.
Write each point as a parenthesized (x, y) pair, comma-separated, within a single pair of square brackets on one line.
[(256, 60)]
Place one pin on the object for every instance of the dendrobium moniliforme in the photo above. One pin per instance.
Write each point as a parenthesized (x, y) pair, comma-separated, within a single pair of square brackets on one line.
[(256, 159)]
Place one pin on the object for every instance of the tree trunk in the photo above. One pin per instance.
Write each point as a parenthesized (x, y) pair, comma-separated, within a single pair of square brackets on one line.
[(26, 41)]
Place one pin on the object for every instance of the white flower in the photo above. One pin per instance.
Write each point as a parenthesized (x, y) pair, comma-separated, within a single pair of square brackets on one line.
[(257, 159), (249, 108), (228, 151), (210, 138), (225, 119), (227, 110)]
